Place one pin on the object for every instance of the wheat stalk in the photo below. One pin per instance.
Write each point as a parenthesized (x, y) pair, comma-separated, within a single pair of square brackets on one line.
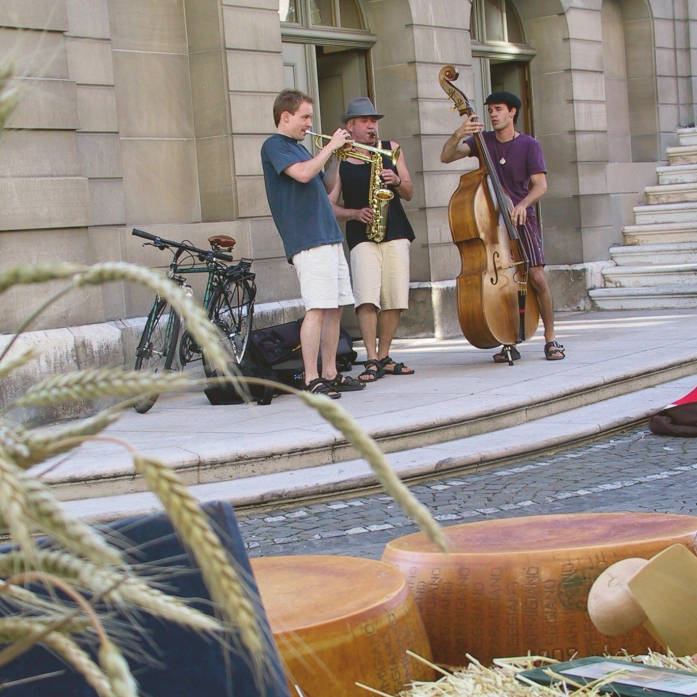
[(47, 443), (38, 273), (115, 666), (68, 625), (70, 532), (116, 587), (13, 507), (15, 629), (225, 586), (7, 365), (11, 445), (92, 383), (370, 450)]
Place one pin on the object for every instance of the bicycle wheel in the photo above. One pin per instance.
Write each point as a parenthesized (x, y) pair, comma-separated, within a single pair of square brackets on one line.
[(231, 310), (157, 345)]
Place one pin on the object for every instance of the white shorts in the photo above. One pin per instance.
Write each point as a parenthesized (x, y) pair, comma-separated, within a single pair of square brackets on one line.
[(381, 274), (324, 277)]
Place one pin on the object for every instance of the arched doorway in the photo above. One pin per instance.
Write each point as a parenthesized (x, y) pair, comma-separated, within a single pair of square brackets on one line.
[(501, 57), (326, 47)]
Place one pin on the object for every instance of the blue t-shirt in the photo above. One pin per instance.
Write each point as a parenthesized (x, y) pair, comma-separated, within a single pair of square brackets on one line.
[(302, 212)]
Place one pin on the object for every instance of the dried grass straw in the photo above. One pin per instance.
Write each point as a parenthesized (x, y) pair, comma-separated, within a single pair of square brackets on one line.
[(500, 680), (370, 450)]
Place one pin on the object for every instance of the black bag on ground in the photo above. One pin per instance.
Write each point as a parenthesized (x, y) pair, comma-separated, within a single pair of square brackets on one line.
[(279, 348), (228, 394), (677, 419)]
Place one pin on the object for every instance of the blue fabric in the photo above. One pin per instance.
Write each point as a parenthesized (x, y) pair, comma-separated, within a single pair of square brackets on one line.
[(193, 665), (302, 212)]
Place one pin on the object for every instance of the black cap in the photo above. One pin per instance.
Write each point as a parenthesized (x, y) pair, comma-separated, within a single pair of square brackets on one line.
[(510, 100)]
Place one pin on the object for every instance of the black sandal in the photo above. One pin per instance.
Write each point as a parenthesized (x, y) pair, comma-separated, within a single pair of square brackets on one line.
[(554, 351), (373, 371), (399, 368), (322, 386), (501, 356), (345, 383)]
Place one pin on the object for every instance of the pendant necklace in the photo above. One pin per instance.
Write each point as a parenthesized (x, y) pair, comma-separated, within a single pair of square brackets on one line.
[(502, 161)]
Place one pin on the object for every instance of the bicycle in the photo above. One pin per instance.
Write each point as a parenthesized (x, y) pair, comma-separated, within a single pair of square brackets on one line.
[(229, 300)]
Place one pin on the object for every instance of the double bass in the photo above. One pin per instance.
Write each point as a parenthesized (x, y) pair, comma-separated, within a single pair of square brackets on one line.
[(494, 304)]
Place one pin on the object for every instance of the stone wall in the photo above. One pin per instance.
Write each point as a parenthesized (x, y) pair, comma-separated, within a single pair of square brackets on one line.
[(152, 114)]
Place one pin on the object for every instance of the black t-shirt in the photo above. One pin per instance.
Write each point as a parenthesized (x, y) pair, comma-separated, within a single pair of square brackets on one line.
[(302, 212), (355, 187)]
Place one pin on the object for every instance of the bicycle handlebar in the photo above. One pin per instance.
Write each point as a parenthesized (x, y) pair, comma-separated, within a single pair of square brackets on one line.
[(161, 242)]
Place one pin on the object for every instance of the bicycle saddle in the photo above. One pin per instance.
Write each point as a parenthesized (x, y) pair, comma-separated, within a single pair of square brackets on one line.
[(222, 241)]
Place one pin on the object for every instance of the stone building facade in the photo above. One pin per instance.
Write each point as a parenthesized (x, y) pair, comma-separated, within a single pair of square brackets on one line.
[(151, 113)]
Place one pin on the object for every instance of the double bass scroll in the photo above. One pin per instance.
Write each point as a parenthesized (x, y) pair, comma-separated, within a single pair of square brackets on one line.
[(495, 305)]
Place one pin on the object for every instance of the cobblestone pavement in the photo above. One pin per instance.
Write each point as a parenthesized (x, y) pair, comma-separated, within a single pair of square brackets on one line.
[(630, 471)]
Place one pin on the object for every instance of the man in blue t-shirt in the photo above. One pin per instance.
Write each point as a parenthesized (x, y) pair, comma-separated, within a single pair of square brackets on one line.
[(311, 236), (520, 164)]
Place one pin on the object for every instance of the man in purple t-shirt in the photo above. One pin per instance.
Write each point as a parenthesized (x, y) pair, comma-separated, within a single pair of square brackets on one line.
[(520, 165)]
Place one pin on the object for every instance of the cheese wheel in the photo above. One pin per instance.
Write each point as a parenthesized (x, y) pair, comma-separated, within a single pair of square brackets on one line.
[(341, 620), (520, 585)]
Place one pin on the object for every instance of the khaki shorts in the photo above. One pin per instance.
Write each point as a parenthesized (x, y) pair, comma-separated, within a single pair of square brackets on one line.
[(381, 274), (324, 277)]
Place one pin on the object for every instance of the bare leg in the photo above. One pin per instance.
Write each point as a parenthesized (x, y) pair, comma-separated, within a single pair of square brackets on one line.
[(368, 324), (387, 328), (538, 280), (310, 333), (329, 342)]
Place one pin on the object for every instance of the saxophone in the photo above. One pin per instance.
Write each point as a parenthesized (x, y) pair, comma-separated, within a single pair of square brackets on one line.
[(379, 198), (378, 201)]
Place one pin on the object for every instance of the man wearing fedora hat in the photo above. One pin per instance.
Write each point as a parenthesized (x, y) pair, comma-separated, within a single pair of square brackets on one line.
[(521, 167), (380, 270)]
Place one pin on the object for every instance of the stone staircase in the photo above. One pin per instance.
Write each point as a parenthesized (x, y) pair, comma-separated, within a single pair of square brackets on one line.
[(657, 266)]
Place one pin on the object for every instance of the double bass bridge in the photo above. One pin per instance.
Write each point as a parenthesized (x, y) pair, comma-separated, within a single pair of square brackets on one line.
[(500, 267)]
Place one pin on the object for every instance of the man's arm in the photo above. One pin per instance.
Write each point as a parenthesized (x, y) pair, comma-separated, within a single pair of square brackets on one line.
[(331, 175), (362, 215), (455, 148), (538, 187), (400, 180), (305, 171)]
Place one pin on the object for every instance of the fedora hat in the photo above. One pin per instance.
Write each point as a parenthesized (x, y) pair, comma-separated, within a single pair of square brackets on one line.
[(360, 106)]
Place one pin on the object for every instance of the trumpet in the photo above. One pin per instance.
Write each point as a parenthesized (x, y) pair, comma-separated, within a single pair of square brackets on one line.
[(349, 150)]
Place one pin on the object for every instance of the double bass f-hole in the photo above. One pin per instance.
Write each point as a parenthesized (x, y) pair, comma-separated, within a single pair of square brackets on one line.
[(494, 257)]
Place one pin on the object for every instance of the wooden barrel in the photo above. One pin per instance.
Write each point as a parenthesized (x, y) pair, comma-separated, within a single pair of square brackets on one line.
[(521, 584), (338, 620)]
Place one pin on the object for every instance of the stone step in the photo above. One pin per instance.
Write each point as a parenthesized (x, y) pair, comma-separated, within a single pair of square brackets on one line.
[(655, 254), (651, 276), (467, 396), (666, 213), (474, 453), (664, 298), (671, 193), (687, 136), (682, 155), (660, 233), (677, 174)]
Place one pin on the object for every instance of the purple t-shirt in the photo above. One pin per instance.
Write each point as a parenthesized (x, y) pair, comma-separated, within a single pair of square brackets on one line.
[(523, 157)]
